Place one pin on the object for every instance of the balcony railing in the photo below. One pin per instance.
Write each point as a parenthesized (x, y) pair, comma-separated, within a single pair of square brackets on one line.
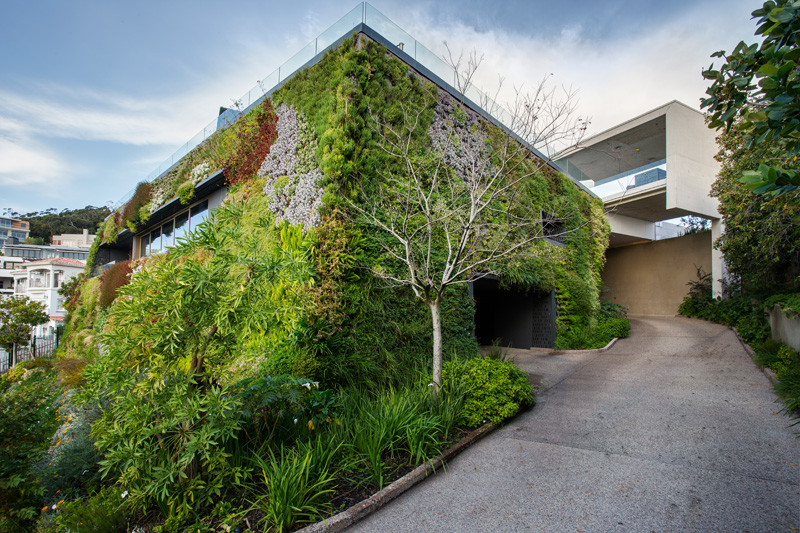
[(364, 14)]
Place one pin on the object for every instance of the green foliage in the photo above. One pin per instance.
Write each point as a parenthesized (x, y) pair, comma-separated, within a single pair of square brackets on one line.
[(282, 407), (613, 310), (767, 110), (18, 316), (27, 420), (132, 210), (165, 444), (298, 483), (785, 362), (761, 231), (380, 427), (82, 320), (186, 192), (111, 280), (789, 303), (102, 513), (495, 389), (766, 353), (741, 312), (609, 328)]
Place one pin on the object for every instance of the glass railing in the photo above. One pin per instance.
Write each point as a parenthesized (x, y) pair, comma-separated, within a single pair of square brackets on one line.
[(627, 181), (363, 13)]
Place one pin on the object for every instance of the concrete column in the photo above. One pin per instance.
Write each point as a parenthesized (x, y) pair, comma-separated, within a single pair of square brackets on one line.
[(718, 269)]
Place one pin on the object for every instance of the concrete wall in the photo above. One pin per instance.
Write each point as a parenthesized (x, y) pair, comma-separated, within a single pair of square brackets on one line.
[(651, 278), (784, 328), (691, 167)]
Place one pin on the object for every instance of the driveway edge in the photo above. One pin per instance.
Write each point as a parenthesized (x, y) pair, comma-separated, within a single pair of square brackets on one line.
[(766, 371), (366, 507)]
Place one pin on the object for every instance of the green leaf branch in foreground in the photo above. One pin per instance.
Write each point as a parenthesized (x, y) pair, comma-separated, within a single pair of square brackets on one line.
[(758, 87)]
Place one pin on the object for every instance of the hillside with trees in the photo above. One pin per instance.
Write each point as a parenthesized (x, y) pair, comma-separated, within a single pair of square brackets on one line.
[(49, 222)]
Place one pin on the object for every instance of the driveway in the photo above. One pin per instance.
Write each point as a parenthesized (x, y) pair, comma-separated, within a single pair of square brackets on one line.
[(673, 429)]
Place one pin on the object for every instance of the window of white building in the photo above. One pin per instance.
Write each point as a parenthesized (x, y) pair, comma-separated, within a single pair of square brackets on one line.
[(39, 279)]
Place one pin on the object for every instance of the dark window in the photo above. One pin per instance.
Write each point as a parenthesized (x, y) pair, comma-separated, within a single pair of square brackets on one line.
[(198, 214), (155, 242), (181, 225), (167, 235), (553, 229)]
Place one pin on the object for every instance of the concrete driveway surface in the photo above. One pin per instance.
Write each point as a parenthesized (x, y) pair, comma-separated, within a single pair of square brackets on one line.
[(673, 429)]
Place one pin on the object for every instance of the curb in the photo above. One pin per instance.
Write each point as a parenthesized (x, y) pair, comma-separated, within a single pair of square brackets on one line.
[(605, 348), (766, 371), (366, 507)]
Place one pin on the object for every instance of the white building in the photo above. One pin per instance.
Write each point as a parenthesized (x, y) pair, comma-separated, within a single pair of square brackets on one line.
[(40, 281), (74, 240)]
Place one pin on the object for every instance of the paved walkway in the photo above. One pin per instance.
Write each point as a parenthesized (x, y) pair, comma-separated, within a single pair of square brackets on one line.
[(673, 429)]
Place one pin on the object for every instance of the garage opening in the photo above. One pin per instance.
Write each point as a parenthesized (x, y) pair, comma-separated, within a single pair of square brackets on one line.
[(513, 317)]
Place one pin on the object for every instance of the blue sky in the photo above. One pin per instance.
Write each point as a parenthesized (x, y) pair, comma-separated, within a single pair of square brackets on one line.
[(95, 94)]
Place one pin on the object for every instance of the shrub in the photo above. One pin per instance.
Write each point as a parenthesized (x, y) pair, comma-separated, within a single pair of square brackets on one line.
[(118, 275), (610, 328), (166, 444), (27, 420), (766, 353), (132, 209), (186, 192), (613, 310), (282, 406), (700, 295), (739, 311), (102, 513), (495, 389)]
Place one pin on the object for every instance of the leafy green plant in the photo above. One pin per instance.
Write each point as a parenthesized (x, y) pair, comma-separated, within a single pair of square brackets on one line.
[(27, 420), (111, 280), (186, 192), (283, 407), (495, 389), (611, 327), (102, 513), (766, 353), (613, 310), (165, 444), (298, 483), (496, 351), (377, 426)]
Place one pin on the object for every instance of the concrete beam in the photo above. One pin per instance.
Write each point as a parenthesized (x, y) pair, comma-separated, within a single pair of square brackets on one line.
[(632, 227)]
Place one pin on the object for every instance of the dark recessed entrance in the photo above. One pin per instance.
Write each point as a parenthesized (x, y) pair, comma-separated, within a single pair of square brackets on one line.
[(521, 319)]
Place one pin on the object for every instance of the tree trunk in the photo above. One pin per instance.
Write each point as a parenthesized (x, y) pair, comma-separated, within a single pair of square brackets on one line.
[(437, 340)]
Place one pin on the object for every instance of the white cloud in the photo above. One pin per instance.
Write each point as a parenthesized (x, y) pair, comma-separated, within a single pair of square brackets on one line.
[(617, 78), (26, 165)]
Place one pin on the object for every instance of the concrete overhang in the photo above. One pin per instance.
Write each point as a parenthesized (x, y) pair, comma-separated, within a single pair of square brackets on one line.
[(672, 137)]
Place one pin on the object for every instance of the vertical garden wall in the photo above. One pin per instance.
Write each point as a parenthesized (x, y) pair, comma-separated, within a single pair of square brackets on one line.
[(296, 165)]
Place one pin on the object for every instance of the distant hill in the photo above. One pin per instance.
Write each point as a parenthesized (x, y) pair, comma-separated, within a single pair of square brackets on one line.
[(45, 224)]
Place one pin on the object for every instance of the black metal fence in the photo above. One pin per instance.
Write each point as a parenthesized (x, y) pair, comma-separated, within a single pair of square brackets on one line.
[(38, 347)]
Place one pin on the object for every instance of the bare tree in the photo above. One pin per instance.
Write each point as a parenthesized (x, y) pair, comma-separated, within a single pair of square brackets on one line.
[(453, 211)]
